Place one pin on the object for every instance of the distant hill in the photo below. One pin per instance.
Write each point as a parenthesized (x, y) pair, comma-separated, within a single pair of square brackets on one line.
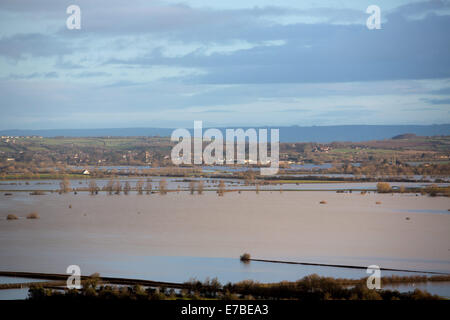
[(405, 136), (353, 133)]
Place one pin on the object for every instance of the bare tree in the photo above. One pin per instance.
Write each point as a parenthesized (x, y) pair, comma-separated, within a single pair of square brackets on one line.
[(257, 188), (93, 188), (117, 187), (221, 188), (200, 187), (140, 186), (148, 187), (192, 187), (64, 185), (126, 188), (109, 187), (162, 186)]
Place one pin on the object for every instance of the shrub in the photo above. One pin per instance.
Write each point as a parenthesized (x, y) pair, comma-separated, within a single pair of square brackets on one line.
[(383, 187), (11, 217), (378, 202), (245, 257), (323, 202), (33, 215)]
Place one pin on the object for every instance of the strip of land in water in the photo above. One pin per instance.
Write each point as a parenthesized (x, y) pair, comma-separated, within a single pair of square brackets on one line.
[(344, 266)]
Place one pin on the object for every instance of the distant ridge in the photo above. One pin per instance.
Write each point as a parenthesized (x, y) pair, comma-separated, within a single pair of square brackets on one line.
[(287, 134)]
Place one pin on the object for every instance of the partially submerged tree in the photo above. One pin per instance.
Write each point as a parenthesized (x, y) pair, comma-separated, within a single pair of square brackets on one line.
[(163, 186), (192, 187), (117, 187), (109, 186), (126, 188), (221, 188), (139, 186), (64, 185), (93, 188), (245, 257), (148, 187), (383, 187), (200, 187)]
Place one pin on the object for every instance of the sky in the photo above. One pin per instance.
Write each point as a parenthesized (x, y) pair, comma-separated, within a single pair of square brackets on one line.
[(227, 63)]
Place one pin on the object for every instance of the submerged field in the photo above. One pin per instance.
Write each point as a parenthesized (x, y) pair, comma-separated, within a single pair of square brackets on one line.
[(401, 231)]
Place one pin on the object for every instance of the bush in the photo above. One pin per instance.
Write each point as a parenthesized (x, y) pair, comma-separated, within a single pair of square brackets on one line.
[(323, 202), (33, 215), (11, 217), (245, 257), (383, 187)]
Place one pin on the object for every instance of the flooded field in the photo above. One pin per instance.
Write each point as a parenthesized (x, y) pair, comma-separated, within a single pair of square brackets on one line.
[(209, 183), (179, 236)]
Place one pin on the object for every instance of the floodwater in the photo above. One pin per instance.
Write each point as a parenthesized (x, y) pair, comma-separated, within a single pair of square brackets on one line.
[(180, 236), (14, 294), (208, 183), (181, 269), (8, 280), (440, 288), (212, 168)]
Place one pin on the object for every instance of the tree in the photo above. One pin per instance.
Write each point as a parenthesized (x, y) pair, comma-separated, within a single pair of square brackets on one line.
[(383, 187), (162, 186), (221, 188), (148, 187), (117, 187), (109, 186), (64, 185), (140, 186), (192, 187), (93, 188), (126, 188), (200, 187)]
